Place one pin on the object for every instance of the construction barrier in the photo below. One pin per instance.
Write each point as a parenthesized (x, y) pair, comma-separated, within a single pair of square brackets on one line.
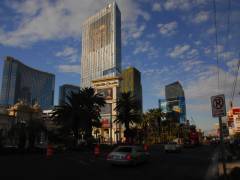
[(97, 150), (49, 151), (145, 147)]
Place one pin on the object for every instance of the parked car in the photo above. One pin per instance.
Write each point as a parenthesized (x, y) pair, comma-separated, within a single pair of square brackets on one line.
[(128, 155), (172, 147)]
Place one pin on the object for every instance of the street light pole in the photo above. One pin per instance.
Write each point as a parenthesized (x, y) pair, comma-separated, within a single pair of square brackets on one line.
[(111, 128)]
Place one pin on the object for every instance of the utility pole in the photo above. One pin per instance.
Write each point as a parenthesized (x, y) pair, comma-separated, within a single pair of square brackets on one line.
[(219, 110), (222, 148), (111, 128)]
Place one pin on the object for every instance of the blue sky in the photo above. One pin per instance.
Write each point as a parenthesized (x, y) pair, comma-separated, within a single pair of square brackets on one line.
[(167, 40)]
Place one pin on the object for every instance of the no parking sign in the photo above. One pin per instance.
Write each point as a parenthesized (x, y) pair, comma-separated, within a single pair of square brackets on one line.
[(218, 105)]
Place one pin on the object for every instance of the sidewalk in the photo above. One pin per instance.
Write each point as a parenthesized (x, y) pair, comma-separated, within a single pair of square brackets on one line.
[(212, 172), (232, 168), (232, 164)]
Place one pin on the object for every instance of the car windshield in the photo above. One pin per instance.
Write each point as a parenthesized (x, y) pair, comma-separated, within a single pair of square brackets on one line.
[(124, 149)]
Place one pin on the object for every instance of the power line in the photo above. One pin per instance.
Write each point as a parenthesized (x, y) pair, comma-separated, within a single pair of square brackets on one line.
[(229, 18), (216, 39), (228, 33), (235, 81)]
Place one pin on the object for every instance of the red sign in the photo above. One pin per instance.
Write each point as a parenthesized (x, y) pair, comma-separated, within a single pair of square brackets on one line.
[(235, 111), (105, 123)]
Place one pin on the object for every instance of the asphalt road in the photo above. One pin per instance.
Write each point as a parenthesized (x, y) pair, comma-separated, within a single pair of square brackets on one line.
[(190, 164)]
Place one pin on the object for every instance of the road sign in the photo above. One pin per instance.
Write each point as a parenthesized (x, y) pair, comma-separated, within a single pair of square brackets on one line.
[(218, 106)]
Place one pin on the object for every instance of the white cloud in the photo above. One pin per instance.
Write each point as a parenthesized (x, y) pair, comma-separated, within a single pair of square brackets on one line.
[(211, 30), (232, 65), (219, 48), (146, 16), (50, 20), (69, 53), (203, 107), (201, 17), (145, 47), (66, 52), (197, 43), (193, 53), (138, 31), (151, 36), (156, 7), (168, 29), (179, 50), (206, 84), (207, 50), (69, 68), (153, 72), (180, 4), (191, 64), (227, 55), (183, 5)]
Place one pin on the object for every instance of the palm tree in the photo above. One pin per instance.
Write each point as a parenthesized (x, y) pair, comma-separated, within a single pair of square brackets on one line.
[(68, 114), (128, 112), (17, 132), (91, 104), (34, 127), (153, 119), (80, 113)]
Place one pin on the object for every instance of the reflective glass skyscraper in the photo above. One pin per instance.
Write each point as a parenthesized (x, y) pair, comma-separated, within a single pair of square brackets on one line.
[(175, 100), (131, 82), (65, 91), (20, 82), (101, 45)]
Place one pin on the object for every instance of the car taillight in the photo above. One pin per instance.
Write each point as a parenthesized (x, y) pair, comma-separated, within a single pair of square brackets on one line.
[(128, 157)]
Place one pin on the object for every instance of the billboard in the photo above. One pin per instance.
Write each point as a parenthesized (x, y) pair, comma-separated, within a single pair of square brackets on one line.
[(236, 123), (105, 122), (174, 106), (106, 93), (106, 109)]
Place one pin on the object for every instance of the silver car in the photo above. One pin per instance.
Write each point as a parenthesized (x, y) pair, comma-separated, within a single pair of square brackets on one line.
[(172, 147), (128, 155)]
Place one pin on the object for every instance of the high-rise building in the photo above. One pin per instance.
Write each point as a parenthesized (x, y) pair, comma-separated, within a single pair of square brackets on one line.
[(101, 45), (131, 81), (65, 91), (162, 104), (20, 82), (175, 100), (174, 90)]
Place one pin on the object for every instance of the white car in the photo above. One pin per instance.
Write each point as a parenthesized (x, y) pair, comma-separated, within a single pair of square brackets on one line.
[(172, 147), (127, 155)]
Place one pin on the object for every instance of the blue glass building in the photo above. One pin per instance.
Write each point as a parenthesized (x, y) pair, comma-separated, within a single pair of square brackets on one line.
[(20, 82), (174, 105), (65, 91)]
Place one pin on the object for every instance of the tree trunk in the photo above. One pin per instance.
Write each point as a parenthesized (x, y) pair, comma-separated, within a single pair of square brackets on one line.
[(126, 134), (32, 138), (76, 137)]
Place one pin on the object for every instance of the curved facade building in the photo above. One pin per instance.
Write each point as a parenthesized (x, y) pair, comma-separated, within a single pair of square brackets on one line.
[(20, 82), (175, 101)]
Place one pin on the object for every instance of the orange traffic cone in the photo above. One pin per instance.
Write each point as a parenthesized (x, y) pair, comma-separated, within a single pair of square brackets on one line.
[(97, 150), (49, 150), (145, 147)]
